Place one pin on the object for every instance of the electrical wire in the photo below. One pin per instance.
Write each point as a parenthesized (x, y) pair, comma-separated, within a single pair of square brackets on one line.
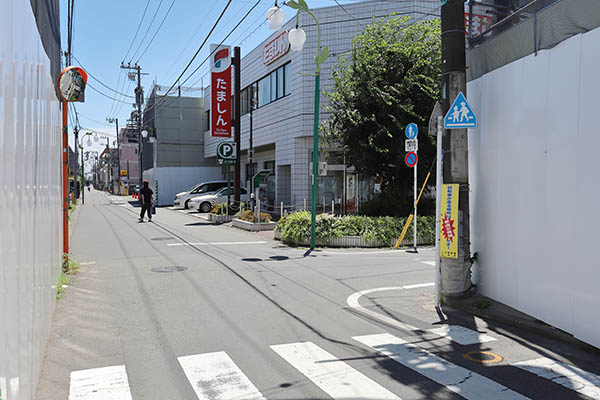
[(147, 30), (167, 74), (156, 33), (347, 13), (100, 82), (136, 32), (105, 95)]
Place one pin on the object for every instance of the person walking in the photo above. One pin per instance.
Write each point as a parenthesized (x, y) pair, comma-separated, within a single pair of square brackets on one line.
[(147, 198)]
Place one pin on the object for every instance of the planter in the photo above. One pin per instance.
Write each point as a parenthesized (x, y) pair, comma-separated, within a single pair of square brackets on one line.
[(220, 219), (352, 241), (253, 227)]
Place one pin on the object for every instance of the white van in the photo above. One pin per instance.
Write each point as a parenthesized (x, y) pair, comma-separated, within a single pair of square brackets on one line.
[(182, 199)]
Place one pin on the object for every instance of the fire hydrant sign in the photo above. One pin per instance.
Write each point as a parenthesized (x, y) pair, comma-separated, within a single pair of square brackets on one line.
[(449, 222), (220, 91)]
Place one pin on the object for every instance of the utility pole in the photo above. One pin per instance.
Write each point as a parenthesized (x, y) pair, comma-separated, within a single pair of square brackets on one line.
[(455, 272), (116, 121), (139, 100), (237, 91)]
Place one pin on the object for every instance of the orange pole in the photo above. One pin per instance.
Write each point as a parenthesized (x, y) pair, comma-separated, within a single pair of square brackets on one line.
[(65, 176)]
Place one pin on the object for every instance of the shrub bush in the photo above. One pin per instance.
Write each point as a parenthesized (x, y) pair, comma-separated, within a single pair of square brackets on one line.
[(295, 227), (250, 216), (221, 208)]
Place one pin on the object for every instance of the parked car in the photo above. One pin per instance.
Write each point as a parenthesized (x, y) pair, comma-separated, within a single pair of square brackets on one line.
[(182, 199), (206, 202)]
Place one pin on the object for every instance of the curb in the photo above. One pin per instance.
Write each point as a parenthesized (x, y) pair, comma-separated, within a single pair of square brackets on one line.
[(514, 318)]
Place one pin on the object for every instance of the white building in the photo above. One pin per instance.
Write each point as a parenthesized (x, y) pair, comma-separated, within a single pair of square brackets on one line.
[(284, 94)]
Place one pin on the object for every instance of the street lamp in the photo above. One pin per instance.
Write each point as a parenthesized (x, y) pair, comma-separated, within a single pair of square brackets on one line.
[(297, 37), (275, 17)]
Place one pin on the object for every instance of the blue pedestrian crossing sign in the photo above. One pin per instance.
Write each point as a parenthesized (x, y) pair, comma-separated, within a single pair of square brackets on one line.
[(460, 115), (411, 130)]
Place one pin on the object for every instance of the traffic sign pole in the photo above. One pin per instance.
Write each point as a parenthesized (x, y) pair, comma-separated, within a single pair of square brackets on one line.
[(415, 203)]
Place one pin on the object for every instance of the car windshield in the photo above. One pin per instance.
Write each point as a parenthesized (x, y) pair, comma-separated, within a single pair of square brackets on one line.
[(222, 192), (192, 188)]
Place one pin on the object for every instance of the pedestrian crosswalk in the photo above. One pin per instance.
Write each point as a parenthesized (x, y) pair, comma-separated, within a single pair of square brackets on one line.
[(217, 376)]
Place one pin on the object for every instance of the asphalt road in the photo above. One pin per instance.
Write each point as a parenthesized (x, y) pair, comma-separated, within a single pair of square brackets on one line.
[(182, 309)]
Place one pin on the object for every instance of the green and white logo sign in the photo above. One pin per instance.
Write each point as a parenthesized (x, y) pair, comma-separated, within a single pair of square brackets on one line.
[(226, 152)]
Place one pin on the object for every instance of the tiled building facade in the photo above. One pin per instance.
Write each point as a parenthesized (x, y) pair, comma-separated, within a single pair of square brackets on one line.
[(283, 120)]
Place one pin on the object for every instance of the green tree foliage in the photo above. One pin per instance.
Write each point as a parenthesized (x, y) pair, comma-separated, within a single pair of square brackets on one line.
[(391, 80)]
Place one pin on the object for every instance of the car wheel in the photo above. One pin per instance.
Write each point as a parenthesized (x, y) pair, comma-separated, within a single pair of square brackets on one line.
[(205, 207), (186, 205)]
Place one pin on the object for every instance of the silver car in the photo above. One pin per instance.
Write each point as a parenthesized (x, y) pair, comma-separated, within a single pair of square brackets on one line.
[(182, 200)]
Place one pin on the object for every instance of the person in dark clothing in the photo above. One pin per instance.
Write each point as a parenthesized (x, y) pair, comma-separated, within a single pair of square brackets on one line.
[(147, 198)]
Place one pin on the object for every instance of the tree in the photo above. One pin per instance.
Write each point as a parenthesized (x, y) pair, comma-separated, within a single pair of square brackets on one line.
[(391, 80)]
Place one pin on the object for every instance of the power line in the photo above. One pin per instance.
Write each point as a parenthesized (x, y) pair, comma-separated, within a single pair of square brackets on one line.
[(137, 31), (100, 82), (164, 97), (350, 15), (105, 95), (147, 30), (156, 33), (167, 74)]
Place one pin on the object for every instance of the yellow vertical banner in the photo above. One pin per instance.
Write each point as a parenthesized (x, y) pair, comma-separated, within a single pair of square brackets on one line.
[(449, 221)]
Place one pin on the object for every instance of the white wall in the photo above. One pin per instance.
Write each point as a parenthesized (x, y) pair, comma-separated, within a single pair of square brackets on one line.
[(172, 180), (534, 178), (30, 200)]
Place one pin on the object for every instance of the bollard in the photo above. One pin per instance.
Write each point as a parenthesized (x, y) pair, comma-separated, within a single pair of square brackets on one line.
[(332, 207), (304, 205), (281, 212), (258, 213)]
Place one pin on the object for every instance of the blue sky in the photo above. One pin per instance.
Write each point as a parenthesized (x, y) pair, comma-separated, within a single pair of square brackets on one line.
[(103, 33)]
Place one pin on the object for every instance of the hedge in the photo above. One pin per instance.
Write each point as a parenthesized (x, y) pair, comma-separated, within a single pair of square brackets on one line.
[(295, 227)]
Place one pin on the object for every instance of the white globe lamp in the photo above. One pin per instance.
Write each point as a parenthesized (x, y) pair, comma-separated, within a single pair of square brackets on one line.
[(297, 37), (275, 17), (144, 134)]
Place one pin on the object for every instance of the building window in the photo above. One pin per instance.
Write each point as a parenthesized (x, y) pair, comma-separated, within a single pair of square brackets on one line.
[(268, 89), (264, 91), (287, 79)]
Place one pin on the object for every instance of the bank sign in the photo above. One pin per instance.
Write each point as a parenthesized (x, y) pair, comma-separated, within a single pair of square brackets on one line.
[(220, 91), (276, 48)]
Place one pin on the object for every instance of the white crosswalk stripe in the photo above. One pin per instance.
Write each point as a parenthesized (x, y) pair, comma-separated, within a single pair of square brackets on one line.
[(455, 333), (333, 376), (564, 374), (461, 335), (214, 376), (456, 378), (107, 383)]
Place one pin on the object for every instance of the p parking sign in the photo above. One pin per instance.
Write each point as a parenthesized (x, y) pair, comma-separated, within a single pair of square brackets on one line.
[(226, 153)]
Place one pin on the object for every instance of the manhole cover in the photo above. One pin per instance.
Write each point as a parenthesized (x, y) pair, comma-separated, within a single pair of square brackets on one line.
[(279, 258), (483, 357), (174, 268), (251, 259), (162, 238)]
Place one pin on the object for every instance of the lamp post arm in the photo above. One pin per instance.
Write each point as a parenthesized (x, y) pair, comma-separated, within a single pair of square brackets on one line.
[(320, 57)]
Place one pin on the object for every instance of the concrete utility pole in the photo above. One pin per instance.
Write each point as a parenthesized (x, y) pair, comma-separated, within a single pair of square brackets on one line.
[(237, 90), (139, 100), (116, 121), (455, 272)]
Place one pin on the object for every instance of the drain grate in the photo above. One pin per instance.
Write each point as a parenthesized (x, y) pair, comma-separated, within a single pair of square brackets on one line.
[(169, 268), (162, 238)]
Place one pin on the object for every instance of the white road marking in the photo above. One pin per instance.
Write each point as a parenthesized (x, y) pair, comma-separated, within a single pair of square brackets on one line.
[(456, 333), (353, 301), (108, 383), (461, 335), (334, 377), (468, 384), (366, 253), (432, 263), (88, 263), (214, 376), (569, 376), (212, 244), (419, 285)]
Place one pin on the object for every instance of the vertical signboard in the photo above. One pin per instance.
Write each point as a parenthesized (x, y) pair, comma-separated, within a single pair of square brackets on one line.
[(220, 91), (449, 222)]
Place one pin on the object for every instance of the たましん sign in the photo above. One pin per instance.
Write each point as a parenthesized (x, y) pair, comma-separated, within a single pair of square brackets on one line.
[(275, 48), (220, 91)]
